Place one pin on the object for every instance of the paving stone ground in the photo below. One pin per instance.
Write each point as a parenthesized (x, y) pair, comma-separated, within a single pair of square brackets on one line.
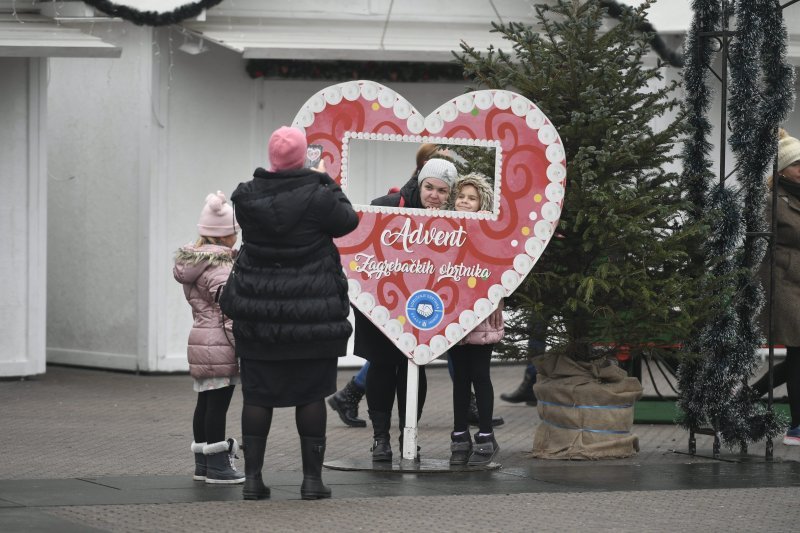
[(84, 450)]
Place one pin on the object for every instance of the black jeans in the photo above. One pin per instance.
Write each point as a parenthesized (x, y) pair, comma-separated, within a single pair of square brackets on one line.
[(387, 380)]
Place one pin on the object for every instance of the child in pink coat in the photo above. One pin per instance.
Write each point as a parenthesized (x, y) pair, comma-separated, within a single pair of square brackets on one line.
[(471, 357), (202, 268)]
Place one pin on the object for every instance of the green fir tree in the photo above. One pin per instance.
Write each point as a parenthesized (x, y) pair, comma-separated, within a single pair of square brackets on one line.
[(614, 275)]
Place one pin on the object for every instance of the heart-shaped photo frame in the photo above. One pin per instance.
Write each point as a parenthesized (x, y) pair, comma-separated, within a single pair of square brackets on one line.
[(426, 278)]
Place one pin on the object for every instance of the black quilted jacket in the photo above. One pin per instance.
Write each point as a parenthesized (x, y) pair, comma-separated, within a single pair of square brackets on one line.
[(287, 295)]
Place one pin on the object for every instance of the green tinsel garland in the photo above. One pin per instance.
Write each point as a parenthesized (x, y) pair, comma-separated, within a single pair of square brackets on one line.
[(728, 340)]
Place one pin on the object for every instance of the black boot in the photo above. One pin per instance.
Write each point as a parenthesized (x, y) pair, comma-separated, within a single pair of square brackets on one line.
[(524, 392), (254, 488), (474, 418), (313, 452), (381, 448), (345, 403)]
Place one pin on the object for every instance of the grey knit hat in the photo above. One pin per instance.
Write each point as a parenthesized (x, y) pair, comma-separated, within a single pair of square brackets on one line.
[(439, 169), (788, 150)]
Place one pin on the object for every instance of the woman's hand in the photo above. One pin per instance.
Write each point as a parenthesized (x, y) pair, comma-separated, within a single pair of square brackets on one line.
[(321, 167)]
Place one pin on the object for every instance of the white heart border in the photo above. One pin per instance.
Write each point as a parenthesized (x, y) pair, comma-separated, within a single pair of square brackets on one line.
[(543, 229)]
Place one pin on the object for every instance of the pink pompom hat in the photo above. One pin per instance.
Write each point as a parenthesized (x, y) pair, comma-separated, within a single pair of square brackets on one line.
[(217, 218)]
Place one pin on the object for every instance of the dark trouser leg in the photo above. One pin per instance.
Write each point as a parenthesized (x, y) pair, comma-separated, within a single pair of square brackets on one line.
[(779, 373), (381, 386), (402, 389), (793, 382), (310, 419), (461, 388), (217, 403)]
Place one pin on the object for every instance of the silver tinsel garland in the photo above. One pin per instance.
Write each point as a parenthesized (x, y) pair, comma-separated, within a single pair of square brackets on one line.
[(761, 93)]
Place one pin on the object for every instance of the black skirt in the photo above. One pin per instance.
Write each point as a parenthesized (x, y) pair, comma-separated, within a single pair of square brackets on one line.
[(287, 383)]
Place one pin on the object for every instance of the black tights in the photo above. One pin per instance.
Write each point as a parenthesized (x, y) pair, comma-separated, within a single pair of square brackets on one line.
[(387, 380), (208, 424), (787, 372), (471, 369), (310, 419)]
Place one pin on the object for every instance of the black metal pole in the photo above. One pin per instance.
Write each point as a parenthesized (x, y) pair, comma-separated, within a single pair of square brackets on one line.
[(769, 448)]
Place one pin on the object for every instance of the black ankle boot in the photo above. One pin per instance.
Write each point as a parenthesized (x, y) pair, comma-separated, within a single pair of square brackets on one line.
[(254, 488), (345, 403), (312, 450), (381, 447), (523, 393), (474, 418)]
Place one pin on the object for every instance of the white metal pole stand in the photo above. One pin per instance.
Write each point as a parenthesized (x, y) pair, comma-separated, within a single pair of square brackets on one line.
[(410, 429)]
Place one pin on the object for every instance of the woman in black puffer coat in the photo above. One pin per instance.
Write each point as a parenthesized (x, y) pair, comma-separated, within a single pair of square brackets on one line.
[(288, 301)]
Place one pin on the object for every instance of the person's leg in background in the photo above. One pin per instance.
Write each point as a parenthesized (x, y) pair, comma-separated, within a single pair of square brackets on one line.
[(345, 401), (792, 437), (381, 387)]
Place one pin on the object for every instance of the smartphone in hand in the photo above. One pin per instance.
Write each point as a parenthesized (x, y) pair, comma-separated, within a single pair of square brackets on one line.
[(313, 156)]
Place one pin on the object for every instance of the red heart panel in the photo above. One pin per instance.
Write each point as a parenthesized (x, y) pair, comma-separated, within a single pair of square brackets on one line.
[(426, 278)]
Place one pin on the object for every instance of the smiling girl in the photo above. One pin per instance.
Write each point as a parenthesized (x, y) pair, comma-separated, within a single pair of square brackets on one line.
[(472, 356)]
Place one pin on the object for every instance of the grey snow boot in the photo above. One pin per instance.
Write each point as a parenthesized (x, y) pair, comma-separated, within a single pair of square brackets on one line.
[(460, 448), (199, 461), (483, 452), (312, 450), (219, 463)]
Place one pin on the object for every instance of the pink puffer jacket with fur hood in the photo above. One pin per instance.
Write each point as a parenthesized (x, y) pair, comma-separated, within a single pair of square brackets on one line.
[(203, 271), (490, 331)]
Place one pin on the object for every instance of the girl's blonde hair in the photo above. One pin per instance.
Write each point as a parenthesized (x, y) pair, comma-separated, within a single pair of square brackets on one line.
[(203, 240)]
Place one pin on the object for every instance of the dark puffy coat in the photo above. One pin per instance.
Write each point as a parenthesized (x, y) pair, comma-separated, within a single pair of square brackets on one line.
[(409, 192), (369, 342), (288, 295)]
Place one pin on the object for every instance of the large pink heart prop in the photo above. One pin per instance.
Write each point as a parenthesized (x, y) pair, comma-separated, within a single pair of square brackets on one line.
[(427, 278)]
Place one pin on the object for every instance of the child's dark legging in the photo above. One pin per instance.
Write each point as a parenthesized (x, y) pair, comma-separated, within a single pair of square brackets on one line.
[(208, 424), (471, 367)]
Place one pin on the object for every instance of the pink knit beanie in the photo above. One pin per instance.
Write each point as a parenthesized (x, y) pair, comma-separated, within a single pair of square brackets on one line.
[(216, 218), (287, 149)]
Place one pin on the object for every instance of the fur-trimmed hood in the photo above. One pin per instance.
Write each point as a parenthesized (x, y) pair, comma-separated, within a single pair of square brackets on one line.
[(481, 184), (191, 261)]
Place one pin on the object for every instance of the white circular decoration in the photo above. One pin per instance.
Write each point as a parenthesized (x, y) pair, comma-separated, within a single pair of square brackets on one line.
[(454, 332), (380, 315), (543, 229), (534, 247), (555, 153), (402, 110), (484, 99), (547, 134), (351, 91), (369, 91), (366, 301), (523, 264), (520, 106), (465, 103), (394, 328), (415, 123), (554, 192), (534, 118), (556, 172), (510, 279)]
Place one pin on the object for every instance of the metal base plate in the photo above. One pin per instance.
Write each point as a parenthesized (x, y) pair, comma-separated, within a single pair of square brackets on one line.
[(426, 466)]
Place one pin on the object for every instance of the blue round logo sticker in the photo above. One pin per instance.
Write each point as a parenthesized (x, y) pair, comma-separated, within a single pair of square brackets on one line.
[(425, 309)]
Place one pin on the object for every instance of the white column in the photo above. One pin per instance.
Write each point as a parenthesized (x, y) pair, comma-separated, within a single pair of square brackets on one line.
[(412, 396), (23, 216)]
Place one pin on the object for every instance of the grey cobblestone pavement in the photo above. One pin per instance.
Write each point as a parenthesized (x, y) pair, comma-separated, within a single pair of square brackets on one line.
[(87, 450)]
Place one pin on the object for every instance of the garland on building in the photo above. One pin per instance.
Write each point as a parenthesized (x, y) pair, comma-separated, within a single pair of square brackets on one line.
[(391, 71), (152, 18), (761, 92)]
